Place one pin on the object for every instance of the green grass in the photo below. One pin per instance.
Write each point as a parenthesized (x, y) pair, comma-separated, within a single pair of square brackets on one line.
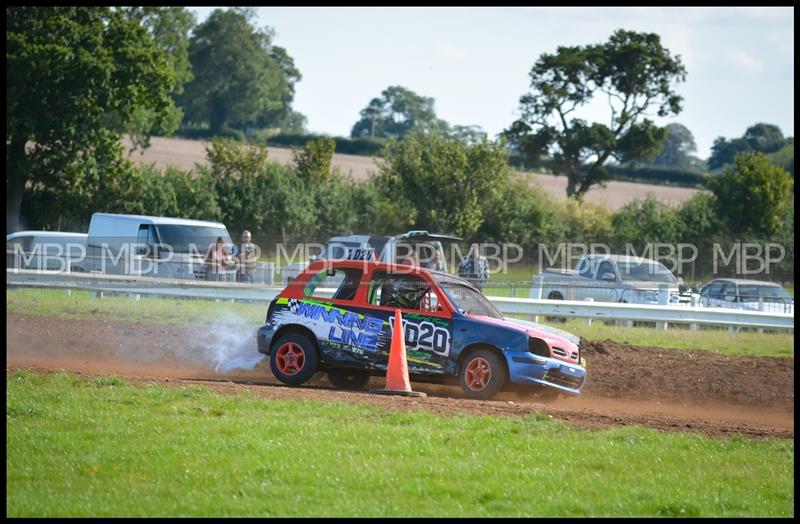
[(79, 447), (717, 340), (79, 304)]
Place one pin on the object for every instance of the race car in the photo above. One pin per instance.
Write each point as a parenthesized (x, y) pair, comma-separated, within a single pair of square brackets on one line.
[(337, 316)]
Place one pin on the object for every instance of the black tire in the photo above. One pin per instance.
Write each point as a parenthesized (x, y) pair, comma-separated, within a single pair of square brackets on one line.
[(299, 367), (492, 369), (348, 378)]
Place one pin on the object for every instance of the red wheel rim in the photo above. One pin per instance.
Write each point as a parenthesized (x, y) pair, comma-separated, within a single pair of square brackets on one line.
[(290, 358), (478, 374)]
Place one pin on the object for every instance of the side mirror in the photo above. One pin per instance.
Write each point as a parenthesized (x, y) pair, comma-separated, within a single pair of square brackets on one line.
[(141, 250), (608, 277)]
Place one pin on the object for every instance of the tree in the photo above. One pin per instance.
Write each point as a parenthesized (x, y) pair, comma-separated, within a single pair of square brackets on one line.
[(677, 148), (313, 162), (468, 134), (170, 28), (67, 68), (240, 78), (764, 138), (633, 70), (442, 184), (397, 112), (752, 195)]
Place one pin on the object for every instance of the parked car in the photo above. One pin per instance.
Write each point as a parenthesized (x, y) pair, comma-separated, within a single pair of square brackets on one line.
[(44, 250), (422, 245), (613, 278), (162, 247), (452, 332), (753, 295)]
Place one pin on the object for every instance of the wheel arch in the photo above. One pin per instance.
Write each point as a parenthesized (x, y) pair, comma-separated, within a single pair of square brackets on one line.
[(297, 329), (472, 348)]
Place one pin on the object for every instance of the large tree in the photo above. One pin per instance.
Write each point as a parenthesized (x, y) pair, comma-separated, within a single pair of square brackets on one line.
[(170, 28), (240, 77), (753, 195), (397, 112), (677, 148), (67, 68), (761, 137), (439, 183), (632, 70)]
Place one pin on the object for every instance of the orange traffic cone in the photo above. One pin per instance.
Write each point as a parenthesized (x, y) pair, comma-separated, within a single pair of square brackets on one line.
[(397, 382)]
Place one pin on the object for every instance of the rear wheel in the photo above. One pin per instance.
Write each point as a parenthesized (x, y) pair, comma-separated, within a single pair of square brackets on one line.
[(348, 378), (483, 374), (294, 359), (555, 296)]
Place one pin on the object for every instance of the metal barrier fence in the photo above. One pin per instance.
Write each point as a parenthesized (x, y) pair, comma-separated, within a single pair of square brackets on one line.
[(662, 315)]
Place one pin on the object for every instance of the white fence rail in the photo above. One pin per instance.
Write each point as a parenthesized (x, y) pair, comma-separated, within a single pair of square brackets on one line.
[(661, 314)]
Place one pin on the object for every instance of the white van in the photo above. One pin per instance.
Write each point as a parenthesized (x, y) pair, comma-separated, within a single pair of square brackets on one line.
[(161, 247), (51, 250)]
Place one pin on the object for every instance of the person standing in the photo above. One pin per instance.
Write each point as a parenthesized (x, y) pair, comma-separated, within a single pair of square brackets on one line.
[(246, 258), (474, 267), (217, 260)]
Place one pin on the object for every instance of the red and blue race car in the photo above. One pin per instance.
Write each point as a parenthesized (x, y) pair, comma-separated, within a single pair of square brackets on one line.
[(337, 317)]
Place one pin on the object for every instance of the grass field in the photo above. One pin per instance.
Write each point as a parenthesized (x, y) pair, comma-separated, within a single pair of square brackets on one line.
[(79, 304), (79, 447)]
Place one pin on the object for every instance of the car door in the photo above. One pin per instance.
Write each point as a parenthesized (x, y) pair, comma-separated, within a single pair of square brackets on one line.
[(426, 316), (728, 296), (604, 290)]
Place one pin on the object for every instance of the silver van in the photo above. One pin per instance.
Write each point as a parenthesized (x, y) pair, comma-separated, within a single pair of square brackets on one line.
[(161, 247)]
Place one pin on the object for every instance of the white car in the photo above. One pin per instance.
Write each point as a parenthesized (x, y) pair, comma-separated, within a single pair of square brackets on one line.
[(752, 295)]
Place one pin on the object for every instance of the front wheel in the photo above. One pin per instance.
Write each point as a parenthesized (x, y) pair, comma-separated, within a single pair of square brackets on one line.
[(483, 374), (294, 359), (348, 378)]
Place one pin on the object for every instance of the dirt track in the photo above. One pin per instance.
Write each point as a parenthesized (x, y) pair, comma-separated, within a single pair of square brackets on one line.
[(186, 153), (659, 388)]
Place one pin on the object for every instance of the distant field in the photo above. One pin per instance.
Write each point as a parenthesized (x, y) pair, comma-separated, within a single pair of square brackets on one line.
[(100, 447), (186, 153)]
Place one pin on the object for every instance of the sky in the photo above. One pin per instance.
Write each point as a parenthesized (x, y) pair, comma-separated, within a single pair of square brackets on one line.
[(475, 61)]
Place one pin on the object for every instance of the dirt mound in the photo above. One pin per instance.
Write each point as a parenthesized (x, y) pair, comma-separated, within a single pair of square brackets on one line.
[(624, 371), (654, 387)]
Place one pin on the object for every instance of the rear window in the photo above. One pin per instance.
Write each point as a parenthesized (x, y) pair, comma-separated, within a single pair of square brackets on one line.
[(343, 282)]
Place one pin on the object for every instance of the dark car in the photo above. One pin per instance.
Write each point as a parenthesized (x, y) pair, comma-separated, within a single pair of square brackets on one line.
[(752, 295), (337, 317)]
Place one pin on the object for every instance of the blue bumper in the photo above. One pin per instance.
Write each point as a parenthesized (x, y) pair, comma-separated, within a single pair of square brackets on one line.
[(527, 368), (264, 338)]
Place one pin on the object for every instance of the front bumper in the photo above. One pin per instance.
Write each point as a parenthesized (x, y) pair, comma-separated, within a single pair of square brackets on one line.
[(526, 368)]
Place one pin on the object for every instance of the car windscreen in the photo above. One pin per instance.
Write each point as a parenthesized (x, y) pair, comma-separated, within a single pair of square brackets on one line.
[(642, 271), (192, 239), (469, 300), (751, 293)]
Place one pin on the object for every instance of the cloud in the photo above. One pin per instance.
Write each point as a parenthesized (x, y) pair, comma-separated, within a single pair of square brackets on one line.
[(744, 62)]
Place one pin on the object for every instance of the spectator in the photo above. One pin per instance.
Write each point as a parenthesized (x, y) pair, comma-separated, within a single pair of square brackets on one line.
[(245, 256), (474, 267), (217, 260), (435, 264)]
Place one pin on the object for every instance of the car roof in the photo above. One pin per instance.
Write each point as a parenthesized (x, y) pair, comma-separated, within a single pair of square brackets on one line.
[(746, 282), (368, 265), (619, 258), (55, 234), (162, 220)]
